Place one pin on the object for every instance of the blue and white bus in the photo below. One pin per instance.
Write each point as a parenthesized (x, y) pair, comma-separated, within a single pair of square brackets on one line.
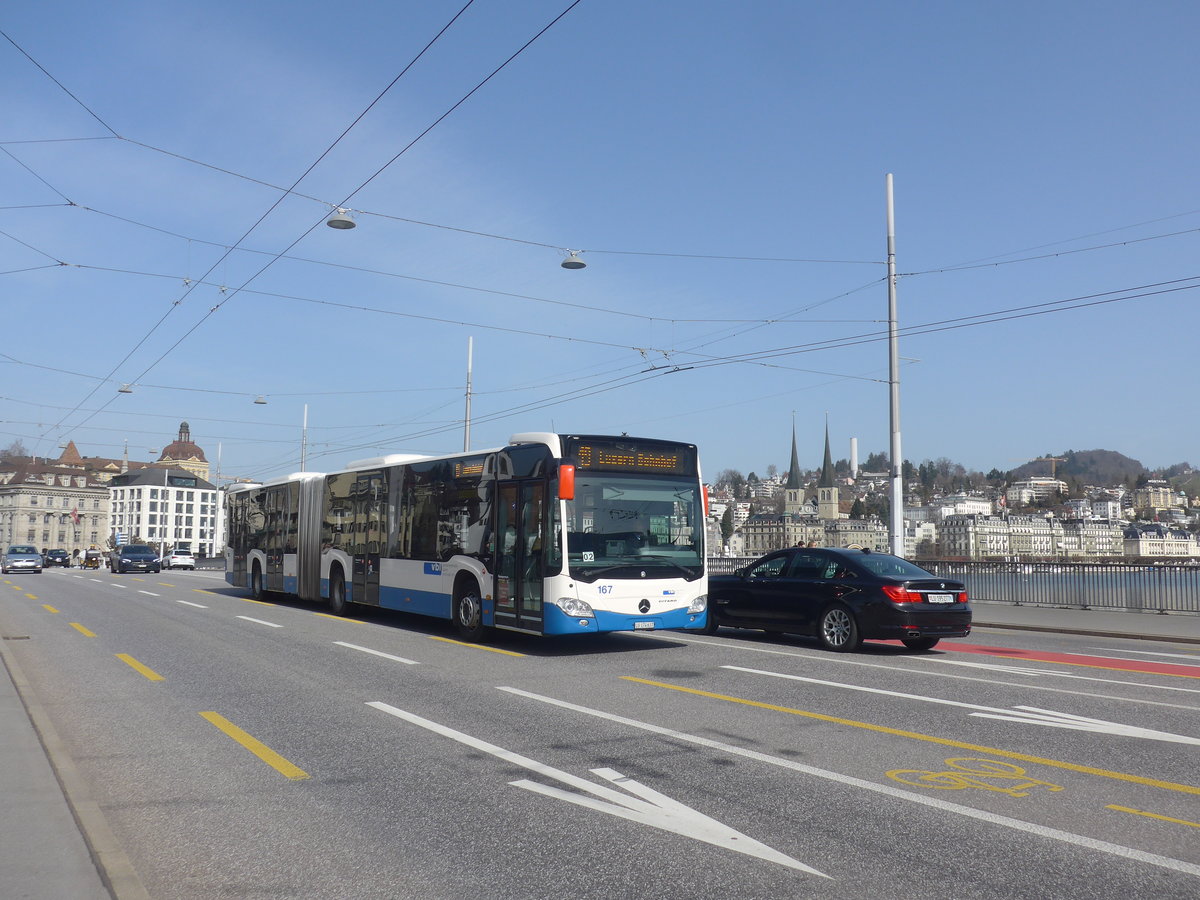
[(552, 534)]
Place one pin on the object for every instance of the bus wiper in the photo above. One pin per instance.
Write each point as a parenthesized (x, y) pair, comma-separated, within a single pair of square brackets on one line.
[(670, 562)]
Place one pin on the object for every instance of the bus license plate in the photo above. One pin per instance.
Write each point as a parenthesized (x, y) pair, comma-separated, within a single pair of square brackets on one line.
[(640, 626), (940, 598)]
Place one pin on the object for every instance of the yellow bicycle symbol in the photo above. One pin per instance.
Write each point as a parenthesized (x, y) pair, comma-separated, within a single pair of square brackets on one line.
[(981, 776)]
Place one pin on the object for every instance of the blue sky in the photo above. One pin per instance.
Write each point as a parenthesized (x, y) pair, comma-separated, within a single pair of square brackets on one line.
[(720, 167)]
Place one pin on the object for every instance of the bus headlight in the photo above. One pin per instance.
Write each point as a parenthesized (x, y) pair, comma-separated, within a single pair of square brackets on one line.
[(574, 607), (699, 605)]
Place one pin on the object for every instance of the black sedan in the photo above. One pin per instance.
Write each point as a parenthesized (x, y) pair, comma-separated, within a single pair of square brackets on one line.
[(135, 558), (842, 597)]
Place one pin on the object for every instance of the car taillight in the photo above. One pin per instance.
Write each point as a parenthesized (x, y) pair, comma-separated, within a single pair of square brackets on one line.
[(962, 596), (898, 594)]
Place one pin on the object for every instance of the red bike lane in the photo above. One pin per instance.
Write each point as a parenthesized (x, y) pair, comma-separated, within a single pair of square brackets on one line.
[(1179, 670)]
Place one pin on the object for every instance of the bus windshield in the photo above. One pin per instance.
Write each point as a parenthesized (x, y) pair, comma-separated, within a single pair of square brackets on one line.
[(634, 526)]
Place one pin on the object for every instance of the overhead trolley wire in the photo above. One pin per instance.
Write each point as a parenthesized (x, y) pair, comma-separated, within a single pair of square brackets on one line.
[(279, 200)]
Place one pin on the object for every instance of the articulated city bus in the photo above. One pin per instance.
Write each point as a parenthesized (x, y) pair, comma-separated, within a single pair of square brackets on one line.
[(552, 534)]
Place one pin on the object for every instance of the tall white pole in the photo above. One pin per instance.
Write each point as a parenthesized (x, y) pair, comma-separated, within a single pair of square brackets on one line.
[(304, 440), (467, 413), (896, 525)]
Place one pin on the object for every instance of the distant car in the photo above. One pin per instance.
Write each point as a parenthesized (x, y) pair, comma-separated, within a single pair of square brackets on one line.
[(842, 597), (21, 558), (179, 559), (57, 558), (134, 558)]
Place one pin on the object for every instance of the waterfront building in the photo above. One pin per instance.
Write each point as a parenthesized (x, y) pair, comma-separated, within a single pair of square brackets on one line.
[(975, 537), (1092, 539), (1034, 536), (1158, 540)]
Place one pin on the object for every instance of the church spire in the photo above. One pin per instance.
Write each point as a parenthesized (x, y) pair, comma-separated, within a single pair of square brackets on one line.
[(793, 481), (827, 473)]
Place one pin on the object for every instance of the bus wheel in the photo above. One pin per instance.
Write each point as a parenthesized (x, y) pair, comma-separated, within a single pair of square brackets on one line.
[(468, 614), (337, 594), (256, 583)]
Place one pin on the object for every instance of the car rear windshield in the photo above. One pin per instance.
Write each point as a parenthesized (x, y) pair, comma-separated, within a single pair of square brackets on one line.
[(891, 566)]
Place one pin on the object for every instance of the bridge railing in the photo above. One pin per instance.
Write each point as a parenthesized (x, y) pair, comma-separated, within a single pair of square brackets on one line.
[(1141, 587)]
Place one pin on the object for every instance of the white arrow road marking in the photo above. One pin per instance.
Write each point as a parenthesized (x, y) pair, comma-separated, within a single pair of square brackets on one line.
[(1192, 657), (987, 816), (1034, 716), (1022, 670), (648, 807), (1031, 716)]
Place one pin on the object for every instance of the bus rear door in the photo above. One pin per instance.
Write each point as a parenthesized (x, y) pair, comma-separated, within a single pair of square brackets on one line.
[(367, 528)]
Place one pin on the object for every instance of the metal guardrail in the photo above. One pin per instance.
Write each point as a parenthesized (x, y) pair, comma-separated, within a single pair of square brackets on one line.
[(1141, 587)]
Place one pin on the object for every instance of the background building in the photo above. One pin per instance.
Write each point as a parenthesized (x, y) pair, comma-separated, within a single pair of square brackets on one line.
[(166, 508), (51, 507)]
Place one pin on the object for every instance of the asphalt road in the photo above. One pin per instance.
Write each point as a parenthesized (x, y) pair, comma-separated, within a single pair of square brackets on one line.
[(268, 750)]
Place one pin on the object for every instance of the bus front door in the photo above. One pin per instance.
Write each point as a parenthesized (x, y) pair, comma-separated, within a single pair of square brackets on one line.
[(370, 501), (521, 535)]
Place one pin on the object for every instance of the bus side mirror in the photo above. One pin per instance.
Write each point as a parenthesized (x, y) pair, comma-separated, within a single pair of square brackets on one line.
[(566, 482)]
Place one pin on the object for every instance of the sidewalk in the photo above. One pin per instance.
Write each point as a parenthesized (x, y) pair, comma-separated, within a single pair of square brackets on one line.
[(1149, 626), (43, 854)]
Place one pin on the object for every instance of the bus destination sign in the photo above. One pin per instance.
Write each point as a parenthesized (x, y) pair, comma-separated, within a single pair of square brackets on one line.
[(609, 455)]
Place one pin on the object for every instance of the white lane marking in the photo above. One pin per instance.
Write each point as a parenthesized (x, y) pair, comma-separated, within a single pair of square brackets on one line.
[(648, 806), (97, 580), (838, 660), (1026, 715), (400, 659), (1194, 657), (121, 586), (1000, 667), (150, 593), (260, 622), (190, 603), (992, 818)]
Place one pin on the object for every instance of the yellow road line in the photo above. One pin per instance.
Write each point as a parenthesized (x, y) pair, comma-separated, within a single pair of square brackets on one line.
[(259, 749), (259, 602), (1150, 815), (203, 591), (138, 667), (916, 736), (49, 608), (475, 646), (339, 618), (31, 596), (82, 630)]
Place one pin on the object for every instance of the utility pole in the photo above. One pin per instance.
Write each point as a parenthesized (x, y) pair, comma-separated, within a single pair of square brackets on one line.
[(304, 440), (467, 413), (896, 525)]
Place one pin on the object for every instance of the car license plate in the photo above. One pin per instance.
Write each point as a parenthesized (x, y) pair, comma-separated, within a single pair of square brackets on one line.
[(941, 598), (641, 626)]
